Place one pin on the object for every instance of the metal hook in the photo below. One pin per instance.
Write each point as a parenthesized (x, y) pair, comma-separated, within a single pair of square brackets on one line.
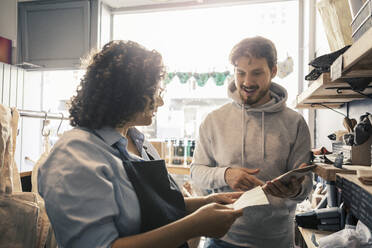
[(60, 123), (44, 121)]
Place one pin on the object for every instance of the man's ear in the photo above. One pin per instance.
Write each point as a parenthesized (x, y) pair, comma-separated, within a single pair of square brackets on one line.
[(274, 71)]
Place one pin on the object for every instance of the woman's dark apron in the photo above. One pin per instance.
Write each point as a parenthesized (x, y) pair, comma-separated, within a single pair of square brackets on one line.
[(160, 200)]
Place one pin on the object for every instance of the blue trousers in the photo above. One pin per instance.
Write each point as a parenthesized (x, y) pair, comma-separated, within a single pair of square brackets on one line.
[(217, 243)]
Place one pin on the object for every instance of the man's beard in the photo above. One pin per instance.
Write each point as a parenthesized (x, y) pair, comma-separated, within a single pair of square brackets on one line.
[(254, 99)]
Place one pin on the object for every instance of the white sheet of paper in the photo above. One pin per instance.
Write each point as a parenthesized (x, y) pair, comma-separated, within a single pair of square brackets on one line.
[(253, 197)]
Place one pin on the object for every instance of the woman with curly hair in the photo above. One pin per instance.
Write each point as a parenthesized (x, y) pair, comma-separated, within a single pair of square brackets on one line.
[(103, 184)]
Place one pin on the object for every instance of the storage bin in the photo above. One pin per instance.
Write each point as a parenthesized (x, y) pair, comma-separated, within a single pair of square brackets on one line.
[(358, 155), (362, 21)]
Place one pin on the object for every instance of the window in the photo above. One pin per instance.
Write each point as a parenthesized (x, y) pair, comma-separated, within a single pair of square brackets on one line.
[(47, 91), (191, 41), (199, 41)]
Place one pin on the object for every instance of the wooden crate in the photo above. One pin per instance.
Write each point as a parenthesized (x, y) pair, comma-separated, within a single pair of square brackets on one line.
[(160, 146), (336, 18)]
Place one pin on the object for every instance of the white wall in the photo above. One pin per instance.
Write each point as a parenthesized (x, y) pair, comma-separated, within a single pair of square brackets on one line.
[(8, 20)]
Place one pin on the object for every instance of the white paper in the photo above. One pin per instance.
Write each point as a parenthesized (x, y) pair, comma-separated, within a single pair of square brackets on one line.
[(251, 197)]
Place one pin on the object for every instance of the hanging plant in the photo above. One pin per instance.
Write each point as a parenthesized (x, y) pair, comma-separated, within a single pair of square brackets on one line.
[(168, 77), (220, 77), (201, 78), (184, 76)]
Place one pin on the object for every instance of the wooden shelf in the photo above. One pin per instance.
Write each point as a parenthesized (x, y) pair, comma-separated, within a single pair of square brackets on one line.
[(354, 179), (328, 171), (324, 91), (178, 169), (307, 234), (355, 62)]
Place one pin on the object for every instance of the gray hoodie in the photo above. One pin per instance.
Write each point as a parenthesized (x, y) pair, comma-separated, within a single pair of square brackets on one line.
[(271, 137)]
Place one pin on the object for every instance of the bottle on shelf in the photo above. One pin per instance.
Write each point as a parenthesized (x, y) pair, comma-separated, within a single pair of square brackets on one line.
[(187, 152), (179, 152), (190, 151), (192, 148)]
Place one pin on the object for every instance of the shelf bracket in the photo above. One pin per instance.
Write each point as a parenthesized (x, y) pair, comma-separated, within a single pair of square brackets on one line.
[(325, 106)]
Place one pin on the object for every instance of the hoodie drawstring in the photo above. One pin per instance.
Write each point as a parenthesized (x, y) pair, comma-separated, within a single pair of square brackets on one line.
[(243, 133), (263, 135)]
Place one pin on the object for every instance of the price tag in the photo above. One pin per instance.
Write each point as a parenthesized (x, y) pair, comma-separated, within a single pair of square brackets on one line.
[(336, 68)]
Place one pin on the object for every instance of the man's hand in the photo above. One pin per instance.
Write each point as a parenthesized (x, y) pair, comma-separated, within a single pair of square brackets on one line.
[(278, 189), (242, 178)]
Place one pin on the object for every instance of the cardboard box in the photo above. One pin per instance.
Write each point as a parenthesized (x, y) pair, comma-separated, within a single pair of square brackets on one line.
[(336, 18), (361, 155), (161, 147), (358, 155)]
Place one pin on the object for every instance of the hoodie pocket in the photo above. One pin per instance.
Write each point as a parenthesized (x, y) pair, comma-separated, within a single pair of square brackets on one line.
[(272, 220)]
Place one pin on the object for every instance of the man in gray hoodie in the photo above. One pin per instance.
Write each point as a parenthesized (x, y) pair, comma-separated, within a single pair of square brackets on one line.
[(251, 141)]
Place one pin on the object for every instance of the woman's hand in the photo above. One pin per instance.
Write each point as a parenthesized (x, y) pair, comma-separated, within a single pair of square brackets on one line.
[(211, 220), (214, 220), (194, 203), (223, 198)]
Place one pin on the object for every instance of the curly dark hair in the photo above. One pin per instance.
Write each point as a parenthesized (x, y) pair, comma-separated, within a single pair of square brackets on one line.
[(258, 47), (117, 84)]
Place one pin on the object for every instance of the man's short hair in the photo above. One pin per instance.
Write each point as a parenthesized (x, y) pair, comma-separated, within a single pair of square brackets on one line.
[(258, 47)]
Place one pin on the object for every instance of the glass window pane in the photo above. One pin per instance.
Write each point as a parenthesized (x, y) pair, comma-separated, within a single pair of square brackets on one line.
[(199, 41), (44, 91)]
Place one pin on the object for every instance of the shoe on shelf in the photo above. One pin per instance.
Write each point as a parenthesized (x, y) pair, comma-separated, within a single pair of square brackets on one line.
[(326, 60), (313, 75)]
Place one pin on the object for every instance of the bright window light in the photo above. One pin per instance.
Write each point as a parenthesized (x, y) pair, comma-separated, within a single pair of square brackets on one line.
[(199, 41)]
